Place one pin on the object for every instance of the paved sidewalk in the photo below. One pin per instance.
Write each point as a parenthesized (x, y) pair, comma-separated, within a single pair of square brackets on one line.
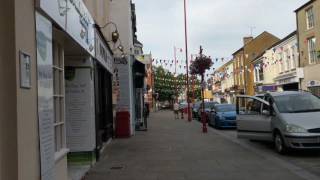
[(177, 150)]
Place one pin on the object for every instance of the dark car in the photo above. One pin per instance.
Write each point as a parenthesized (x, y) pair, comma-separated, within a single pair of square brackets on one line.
[(223, 116), (207, 109)]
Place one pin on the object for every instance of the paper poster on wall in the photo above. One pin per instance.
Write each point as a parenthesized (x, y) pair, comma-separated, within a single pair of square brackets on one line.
[(124, 87), (25, 70), (80, 110), (45, 96)]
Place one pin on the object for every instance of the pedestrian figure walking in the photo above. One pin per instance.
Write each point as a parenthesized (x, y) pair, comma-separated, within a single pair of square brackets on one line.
[(182, 113), (176, 110), (146, 113)]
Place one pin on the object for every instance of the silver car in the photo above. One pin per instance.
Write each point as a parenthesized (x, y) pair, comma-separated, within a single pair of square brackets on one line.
[(289, 119)]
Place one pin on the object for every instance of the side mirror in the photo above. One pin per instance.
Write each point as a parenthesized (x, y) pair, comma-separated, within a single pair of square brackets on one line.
[(266, 113)]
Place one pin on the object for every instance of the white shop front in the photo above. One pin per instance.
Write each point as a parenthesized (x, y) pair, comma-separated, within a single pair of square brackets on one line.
[(66, 99)]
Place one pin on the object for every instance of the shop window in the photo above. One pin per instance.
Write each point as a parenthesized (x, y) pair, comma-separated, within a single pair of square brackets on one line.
[(59, 98), (259, 73)]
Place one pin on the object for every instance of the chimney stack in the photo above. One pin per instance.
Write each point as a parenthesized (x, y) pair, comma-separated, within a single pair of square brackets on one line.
[(247, 39)]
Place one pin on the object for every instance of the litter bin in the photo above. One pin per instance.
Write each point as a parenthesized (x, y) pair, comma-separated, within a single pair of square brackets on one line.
[(123, 124)]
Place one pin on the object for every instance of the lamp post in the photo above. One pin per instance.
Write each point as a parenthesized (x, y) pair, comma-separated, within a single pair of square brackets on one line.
[(203, 115), (187, 63)]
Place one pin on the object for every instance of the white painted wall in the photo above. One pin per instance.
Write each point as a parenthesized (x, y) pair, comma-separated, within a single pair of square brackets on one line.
[(120, 14)]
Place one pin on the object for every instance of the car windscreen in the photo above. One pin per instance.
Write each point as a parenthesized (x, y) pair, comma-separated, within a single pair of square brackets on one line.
[(209, 104), (297, 103), (225, 108), (196, 105)]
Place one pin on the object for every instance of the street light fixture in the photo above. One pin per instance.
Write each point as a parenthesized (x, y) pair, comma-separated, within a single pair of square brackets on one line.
[(115, 34)]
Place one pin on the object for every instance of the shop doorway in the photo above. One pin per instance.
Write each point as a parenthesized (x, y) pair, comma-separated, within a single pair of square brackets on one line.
[(291, 87), (103, 103)]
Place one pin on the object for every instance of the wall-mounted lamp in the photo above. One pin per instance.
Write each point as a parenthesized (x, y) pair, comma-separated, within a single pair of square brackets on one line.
[(115, 34)]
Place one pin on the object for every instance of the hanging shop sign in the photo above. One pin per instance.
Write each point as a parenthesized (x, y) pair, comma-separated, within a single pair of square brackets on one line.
[(45, 96), (103, 53), (73, 17)]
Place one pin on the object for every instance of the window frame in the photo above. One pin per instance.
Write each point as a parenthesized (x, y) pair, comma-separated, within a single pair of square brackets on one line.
[(59, 126), (293, 58), (312, 52), (310, 18)]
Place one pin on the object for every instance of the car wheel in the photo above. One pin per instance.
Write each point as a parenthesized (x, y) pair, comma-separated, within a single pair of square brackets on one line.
[(279, 144)]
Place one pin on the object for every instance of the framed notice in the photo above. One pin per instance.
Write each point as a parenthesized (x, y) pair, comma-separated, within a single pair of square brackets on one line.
[(25, 70)]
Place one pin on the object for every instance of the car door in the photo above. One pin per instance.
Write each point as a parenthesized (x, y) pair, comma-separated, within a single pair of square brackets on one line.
[(212, 116), (251, 122)]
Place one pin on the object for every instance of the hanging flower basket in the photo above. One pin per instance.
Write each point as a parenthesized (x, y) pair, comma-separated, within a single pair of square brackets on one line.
[(200, 65)]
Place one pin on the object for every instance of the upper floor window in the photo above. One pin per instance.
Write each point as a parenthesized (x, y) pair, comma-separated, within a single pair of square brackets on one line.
[(294, 57), (310, 18), (282, 62), (288, 60), (312, 50), (258, 73)]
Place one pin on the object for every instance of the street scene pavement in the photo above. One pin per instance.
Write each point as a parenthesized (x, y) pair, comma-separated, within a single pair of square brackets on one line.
[(174, 149)]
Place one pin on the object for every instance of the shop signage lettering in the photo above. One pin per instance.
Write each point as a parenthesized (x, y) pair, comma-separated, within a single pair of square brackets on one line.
[(120, 61), (103, 54), (64, 13), (84, 20)]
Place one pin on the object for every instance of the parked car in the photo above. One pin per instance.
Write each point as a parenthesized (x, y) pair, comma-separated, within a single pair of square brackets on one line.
[(207, 109), (195, 109), (165, 105), (289, 119), (223, 116), (183, 106), (261, 96)]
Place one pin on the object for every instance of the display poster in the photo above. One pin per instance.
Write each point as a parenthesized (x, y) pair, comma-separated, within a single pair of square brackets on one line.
[(45, 96), (80, 114), (124, 87)]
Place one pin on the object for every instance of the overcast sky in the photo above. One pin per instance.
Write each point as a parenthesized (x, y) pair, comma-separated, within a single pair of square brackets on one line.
[(217, 25)]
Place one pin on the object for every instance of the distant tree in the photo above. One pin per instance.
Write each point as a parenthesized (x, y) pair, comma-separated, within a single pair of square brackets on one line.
[(167, 85)]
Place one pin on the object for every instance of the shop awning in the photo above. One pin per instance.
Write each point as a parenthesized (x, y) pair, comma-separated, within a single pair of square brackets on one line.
[(144, 59)]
